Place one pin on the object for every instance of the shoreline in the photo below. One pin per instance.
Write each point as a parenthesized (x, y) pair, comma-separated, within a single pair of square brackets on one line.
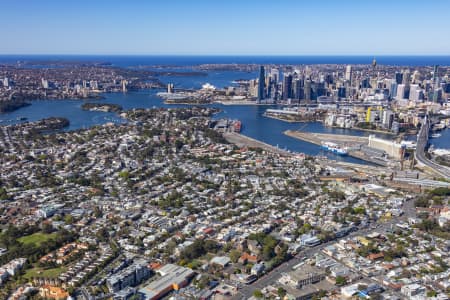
[(242, 103), (241, 140), (184, 103), (283, 120), (366, 130), (290, 121), (30, 101)]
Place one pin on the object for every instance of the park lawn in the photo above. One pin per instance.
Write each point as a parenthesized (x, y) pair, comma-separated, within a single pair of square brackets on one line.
[(37, 238), (49, 273)]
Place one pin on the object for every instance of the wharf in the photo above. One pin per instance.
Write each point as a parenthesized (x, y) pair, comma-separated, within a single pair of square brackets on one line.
[(352, 143), (318, 138), (241, 140)]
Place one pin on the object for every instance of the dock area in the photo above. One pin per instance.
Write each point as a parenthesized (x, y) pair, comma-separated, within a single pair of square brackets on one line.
[(318, 138), (241, 140), (357, 146)]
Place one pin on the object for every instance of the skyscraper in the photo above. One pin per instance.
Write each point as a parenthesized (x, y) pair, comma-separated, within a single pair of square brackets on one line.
[(297, 89), (261, 82), (393, 89), (308, 89), (400, 92), (406, 82), (287, 86), (398, 77), (374, 66), (435, 75), (275, 74), (436, 84), (348, 74)]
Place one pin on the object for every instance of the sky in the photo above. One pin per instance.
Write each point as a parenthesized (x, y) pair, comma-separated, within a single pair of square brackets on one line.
[(230, 27)]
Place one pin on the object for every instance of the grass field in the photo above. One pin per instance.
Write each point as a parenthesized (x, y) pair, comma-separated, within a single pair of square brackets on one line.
[(39, 272), (37, 238)]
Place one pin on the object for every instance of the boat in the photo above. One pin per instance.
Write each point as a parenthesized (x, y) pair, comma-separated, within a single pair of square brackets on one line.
[(237, 125), (409, 144), (438, 127), (436, 135), (334, 148)]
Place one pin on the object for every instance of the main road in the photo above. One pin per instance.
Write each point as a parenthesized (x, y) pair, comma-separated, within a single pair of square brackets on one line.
[(419, 154)]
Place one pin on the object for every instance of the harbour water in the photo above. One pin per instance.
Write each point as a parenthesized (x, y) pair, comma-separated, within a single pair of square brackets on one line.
[(254, 123)]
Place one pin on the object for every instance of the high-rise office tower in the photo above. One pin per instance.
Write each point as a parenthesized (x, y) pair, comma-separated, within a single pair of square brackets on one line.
[(400, 92), (435, 75), (414, 92), (437, 95), (348, 74), (436, 84), (319, 90), (406, 82), (275, 74), (374, 68), (342, 92), (416, 77), (329, 79), (308, 90), (297, 89), (393, 89), (287, 86), (398, 77), (365, 83), (269, 87), (261, 82), (406, 77), (387, 118)]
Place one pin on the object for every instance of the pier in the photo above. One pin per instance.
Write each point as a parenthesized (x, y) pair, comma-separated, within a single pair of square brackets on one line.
[(357, 146), (245, 141)]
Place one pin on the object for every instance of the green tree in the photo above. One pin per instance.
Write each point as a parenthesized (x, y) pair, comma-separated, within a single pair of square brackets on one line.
[(3, 194), (257, 294), (340, 280), (234, 255), (281, 292), (68, 219)]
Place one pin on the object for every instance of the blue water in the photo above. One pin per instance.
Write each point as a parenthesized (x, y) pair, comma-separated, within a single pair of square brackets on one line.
[(126, 61), (443, 142), (254, 124), (219, 79)]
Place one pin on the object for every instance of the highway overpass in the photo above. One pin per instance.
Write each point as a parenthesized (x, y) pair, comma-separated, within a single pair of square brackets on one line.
[(419, 154)]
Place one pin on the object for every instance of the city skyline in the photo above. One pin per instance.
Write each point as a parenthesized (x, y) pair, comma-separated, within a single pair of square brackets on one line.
[(225, 28)]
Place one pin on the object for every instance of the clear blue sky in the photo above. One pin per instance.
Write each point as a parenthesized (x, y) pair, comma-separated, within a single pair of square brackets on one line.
[(273, 27)]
